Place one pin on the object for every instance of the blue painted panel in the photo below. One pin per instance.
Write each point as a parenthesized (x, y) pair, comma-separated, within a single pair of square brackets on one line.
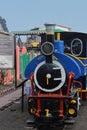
[(32, 65), (70, 64)]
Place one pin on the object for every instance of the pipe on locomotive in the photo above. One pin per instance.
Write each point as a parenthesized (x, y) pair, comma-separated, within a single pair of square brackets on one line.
[(47, 48)]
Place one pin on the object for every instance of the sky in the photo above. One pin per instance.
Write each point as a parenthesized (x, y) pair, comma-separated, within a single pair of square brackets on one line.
[(24, 15)]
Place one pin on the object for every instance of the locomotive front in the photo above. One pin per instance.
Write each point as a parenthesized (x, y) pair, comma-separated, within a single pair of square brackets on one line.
[(49, 75), (53, 94)]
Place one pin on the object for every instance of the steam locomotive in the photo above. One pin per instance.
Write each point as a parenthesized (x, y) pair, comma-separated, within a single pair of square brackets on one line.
[(56, 79)]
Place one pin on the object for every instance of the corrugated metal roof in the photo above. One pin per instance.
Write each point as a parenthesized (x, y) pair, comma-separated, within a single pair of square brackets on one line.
[(41, 30), (28, 32), (33, 32)]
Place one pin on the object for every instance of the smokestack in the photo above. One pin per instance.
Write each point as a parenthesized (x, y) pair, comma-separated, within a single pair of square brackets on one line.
[(50, 32)]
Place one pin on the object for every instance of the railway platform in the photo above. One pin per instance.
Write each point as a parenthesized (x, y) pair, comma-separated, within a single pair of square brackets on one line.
[(11, 116), (9, 98)]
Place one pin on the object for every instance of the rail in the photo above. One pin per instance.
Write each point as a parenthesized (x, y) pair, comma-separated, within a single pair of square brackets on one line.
[(22, 101)]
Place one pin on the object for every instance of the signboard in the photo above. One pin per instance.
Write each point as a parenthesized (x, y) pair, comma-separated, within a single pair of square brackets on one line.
[(6, 51)]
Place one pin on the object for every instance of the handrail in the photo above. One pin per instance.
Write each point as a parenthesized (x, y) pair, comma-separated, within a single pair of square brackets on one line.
[(19, 85), (22, 102)]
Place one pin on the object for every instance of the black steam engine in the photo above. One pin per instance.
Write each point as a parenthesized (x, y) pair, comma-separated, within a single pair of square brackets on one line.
[(56, 81)]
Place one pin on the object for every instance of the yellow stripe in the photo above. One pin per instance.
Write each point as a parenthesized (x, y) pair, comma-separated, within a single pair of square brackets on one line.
[(76, 59), (83, 58)]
